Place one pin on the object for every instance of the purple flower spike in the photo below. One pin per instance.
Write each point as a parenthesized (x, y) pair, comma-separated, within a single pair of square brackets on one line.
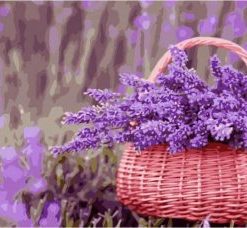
[(178, 109), (102, 96), (215, 67)]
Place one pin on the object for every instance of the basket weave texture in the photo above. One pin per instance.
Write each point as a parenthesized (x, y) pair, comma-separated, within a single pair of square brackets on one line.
[(190, 185), (209, 182)]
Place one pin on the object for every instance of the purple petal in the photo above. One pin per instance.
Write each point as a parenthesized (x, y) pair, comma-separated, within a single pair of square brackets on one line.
[(15, 212), (1, 27), (50, 215), (8, 154), (4, 11), (37, 185), (32, 133), (13, 173), (143, 21), (184, 32)]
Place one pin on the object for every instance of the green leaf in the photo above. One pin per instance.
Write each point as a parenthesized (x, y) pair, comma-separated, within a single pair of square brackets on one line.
[(80, 162), (142, 223), (94, 164), (108, 222), (59, 175), (69, 221), (158, 222), (110, 154)]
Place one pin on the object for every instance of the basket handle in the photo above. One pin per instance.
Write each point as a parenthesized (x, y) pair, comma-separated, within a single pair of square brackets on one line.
[(218, 42)]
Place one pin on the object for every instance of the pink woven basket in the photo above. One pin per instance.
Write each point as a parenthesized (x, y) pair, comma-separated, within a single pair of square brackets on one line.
[(210, 182)]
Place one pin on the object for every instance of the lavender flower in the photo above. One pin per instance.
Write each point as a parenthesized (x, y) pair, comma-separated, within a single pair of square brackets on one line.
[(101, 96), (179, 57), (178, 109), (215, 67), (84, 116)]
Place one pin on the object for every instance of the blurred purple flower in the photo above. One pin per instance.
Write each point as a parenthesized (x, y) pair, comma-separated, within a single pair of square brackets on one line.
[(8, 154), (50, 215), (236, 20), (4, 11), (92, 5), (13, 173), (184, 32), (132, 36), (143, 21), (34, 154), (33, 150), (1, 27), (3, 195), (187, 16), (32, 133), (233, 57), (169, 4), (241, 4), (16, 212), (167, 27), (207, 26)]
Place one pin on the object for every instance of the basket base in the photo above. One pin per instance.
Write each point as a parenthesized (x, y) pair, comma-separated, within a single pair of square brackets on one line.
[(191, 185)]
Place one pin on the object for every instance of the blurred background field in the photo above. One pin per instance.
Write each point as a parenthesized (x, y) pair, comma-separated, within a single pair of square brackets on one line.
[(50, 53)]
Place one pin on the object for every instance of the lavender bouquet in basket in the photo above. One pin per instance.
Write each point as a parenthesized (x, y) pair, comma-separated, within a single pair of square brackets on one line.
[(178, 109)]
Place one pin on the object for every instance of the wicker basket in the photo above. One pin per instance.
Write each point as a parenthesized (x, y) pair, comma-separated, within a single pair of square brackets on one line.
[(210, 182)]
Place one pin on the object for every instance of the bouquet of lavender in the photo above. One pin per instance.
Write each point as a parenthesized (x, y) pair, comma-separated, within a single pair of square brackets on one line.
[(178, 109)]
